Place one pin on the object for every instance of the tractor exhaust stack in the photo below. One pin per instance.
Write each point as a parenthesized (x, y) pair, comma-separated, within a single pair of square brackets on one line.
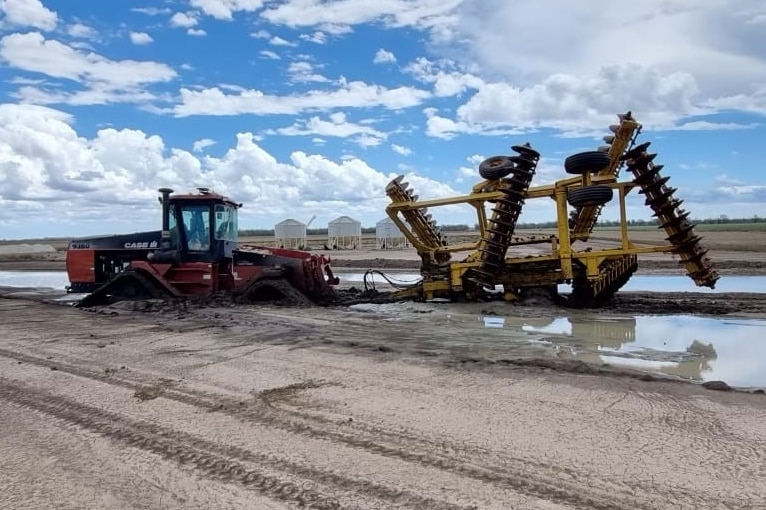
[(165, 243)]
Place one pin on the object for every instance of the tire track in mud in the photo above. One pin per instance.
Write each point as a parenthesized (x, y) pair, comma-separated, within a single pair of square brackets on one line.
[(706, 429), (229, 464), (526, 477)]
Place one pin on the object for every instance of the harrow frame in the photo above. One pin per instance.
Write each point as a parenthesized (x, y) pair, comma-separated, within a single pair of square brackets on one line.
[(594, 274)]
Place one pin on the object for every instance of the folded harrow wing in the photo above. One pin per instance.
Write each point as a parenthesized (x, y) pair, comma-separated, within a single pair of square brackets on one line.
[(495, 261)]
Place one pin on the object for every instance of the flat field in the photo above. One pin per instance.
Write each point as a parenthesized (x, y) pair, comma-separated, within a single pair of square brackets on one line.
[(738, 250)]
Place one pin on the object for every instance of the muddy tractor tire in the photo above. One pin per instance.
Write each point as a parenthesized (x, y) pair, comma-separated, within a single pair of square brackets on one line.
[(275, 291), (126, 286), (590, 196), (590, 162), (496, 167)]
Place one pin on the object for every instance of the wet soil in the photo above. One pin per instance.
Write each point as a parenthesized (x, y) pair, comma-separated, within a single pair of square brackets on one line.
[(204, 404), (322, 407)]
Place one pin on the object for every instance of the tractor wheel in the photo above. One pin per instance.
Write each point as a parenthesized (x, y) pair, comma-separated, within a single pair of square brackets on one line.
[(496, 167), (590, 196), (586, 162), (276, 291)]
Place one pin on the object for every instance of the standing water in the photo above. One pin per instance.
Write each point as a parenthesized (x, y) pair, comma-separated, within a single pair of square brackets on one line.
[(695, 347)]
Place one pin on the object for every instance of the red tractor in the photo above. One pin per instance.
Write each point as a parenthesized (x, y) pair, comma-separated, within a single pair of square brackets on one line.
[(196, 254)]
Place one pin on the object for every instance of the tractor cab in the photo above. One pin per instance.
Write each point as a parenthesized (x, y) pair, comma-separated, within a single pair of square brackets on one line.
[(200, 227)]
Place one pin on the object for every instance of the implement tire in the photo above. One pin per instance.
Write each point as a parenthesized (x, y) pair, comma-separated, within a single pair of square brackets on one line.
[(590, 196), (496, 167), (586, 162)]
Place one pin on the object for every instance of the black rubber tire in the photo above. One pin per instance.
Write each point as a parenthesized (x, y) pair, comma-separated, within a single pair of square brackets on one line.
[(496, 167), (126, 286), (275, 291), (586, 162), (590, 195)]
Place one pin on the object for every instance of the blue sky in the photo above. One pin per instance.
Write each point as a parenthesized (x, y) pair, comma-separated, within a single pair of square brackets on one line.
[(309, 107)]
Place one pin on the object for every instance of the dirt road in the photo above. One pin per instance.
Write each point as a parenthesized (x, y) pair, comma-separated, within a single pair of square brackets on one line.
[(285, 408)]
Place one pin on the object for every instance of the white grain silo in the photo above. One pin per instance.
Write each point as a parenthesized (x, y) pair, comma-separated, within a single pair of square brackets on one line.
[(344, 233), (388, 236), (290, 233)]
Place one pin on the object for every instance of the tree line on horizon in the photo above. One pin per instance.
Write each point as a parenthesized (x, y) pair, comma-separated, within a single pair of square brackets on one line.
[(721, 220)]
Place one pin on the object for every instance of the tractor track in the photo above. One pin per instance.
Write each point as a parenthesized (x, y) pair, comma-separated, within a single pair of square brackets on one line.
[(225, 463), (534, 479)]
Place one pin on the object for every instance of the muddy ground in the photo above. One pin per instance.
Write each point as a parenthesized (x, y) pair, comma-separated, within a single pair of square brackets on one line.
[(159, 406), (279, 407)]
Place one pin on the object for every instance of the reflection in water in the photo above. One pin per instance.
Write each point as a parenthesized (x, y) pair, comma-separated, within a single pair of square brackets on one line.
[(34, 279), (615, 341), (694, 347)]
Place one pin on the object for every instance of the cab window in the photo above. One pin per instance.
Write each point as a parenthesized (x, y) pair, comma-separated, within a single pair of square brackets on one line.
[(196, 221), (225, 223)]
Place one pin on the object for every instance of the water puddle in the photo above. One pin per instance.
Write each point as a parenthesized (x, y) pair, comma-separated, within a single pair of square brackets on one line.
[(34, 279), (693, 347), (648, 283)]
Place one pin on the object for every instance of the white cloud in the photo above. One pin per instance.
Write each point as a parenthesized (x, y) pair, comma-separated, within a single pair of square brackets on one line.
[(119, 170), (95, 94), (384, 57), (270, 55), (399, 149), (755, 103), (105, 80), (183, 20), (703, 125), (140, 38), (28, 13), (225, 9), (576, 104), (337, 126), (445, 75), (150, 11), (543, 51), (81, 31), (278, 41), (261, 34), (317, 37), (204, 143), (394, 13), (304, 72), (32, 52), (196, 32), (355, 94), (442, 127)]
